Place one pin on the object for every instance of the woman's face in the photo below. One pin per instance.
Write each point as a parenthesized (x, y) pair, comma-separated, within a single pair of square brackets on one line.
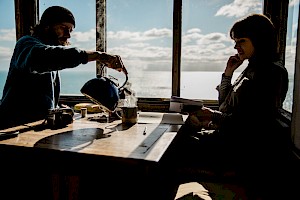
[(244, 48)]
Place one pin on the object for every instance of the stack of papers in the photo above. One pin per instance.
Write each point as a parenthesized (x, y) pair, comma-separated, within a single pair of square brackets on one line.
[(182, 105)]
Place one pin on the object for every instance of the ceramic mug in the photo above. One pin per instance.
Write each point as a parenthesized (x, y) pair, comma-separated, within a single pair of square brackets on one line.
[(129, 115)]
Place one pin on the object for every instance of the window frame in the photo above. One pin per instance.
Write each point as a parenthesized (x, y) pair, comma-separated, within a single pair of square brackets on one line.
[(295, 127), (27, 15)]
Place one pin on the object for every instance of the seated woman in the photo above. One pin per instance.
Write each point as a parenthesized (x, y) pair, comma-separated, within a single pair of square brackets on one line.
[(244, 136)]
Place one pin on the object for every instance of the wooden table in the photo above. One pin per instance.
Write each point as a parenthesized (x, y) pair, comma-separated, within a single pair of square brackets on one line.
[(88, 158)]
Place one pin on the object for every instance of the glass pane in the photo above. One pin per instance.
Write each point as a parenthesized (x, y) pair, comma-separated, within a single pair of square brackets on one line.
[(7, 38), (83, 37), (206, 45), (290, 54), (140, 31)]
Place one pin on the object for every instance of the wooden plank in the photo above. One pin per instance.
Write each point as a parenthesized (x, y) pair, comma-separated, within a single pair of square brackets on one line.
[(26, 16), (101, 39), (177, 17)]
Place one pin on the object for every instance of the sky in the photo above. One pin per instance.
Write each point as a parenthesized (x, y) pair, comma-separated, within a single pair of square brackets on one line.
[(140, 31)]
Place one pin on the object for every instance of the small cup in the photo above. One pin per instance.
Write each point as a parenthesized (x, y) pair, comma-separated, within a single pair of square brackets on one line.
[(83, 112), (130, 115)]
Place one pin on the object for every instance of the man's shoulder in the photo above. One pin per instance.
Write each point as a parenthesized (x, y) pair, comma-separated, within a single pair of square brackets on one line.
[(27, 41), (27, 38)]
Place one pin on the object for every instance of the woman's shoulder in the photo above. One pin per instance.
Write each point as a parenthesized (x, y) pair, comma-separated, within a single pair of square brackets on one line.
[(270, 70), (272, 67), (279, 68)]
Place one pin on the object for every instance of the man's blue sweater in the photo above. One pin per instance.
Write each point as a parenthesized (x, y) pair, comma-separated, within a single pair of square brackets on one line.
[(33, 82)]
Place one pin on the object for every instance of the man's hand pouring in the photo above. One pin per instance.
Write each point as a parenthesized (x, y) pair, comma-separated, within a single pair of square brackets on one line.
[(109, 60)]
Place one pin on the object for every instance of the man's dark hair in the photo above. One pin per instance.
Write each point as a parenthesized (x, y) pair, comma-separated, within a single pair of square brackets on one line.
[(56, 14), (52, 16)]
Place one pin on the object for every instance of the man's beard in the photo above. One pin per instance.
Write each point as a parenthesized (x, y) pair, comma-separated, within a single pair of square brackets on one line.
[(53, 39)]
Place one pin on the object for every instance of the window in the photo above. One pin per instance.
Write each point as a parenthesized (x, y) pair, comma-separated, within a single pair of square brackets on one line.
[(7, 38), (141, 33), (146, 44), (293, 50), (290, 54), (206, 45)]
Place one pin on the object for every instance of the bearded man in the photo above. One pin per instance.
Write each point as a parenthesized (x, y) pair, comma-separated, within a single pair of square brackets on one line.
[(33, 83)]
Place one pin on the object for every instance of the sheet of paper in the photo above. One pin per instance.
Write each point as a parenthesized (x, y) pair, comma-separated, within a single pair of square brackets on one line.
[(161, 118)]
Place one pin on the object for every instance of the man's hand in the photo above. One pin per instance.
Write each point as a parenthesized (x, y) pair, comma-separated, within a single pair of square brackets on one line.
[(112, 61), (109, 60)]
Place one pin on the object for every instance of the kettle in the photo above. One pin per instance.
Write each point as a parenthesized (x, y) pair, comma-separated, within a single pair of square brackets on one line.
[(105, 92)]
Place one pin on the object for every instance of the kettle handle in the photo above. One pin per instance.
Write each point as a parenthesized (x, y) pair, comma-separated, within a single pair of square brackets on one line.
[(124, 70), (126, 79)]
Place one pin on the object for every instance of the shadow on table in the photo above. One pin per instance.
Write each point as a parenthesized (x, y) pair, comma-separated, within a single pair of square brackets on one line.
[(73, 140)]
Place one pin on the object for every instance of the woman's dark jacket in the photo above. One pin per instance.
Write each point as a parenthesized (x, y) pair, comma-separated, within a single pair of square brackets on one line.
[(249, 123)]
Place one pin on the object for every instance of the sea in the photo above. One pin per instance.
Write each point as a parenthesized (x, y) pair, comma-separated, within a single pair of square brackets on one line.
[(155, 84)]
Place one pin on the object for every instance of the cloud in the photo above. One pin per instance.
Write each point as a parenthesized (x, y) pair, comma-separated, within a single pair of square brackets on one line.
[(197, 48), (7, 41), (140, 36), (152, 49), (5, 53), (239, 8), (290, 55), (191, 35), (8, 35), (193, 30), (293, 2), (154, 33), (144, 51), (138, 45), (213, 38), (84, 40), (84, 36), (210, 51)]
